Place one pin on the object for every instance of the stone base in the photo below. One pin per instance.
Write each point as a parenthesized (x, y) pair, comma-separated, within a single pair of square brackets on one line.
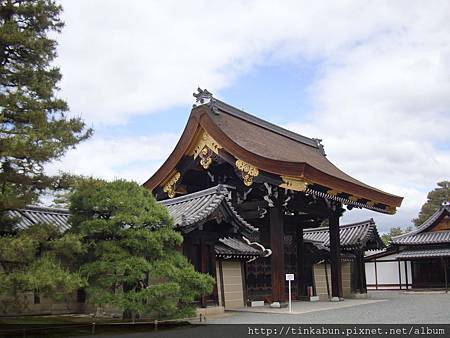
[(278, 305), (335, 299), (257, 303), (207, 311)]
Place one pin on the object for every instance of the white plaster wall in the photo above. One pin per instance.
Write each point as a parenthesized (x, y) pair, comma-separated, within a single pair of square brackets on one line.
[(387, 273)]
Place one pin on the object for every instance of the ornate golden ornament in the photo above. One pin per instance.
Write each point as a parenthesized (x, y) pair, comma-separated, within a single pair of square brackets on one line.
[(205, 158), (204, 148), (370, 203), (204, 140), (293, 183), (332, 192), (169, 187), (248, 172), (353, 198), (391, 210)]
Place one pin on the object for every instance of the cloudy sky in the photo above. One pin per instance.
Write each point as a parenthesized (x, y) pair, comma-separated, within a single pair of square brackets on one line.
[(370, 78)]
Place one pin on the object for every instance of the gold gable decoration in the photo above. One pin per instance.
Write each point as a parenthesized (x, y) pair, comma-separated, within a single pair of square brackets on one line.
[(293, 183), (248, 172), (204, 147), (169, 187)]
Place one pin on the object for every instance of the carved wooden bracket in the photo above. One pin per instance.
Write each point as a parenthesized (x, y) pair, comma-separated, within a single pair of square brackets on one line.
[(248, 172)]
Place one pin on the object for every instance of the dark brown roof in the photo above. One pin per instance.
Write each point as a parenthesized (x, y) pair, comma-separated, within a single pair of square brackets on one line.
[(363, 235), (420, 234), (269, 148), (189, 210)]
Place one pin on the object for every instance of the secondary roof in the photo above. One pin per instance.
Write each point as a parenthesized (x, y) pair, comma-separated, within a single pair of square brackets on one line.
[(362, 235)]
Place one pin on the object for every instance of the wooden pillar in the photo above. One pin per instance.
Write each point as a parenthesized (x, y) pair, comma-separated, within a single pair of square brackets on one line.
[(361, 272), (277, 257), (376, 274), (335, 257), (203, 258), (406, 273), (222, 286), (399, 275), (444, 264), (301, 287)]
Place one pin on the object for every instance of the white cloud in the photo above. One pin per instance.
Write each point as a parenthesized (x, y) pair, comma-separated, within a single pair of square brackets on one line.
[(133, 158), (381, 97)]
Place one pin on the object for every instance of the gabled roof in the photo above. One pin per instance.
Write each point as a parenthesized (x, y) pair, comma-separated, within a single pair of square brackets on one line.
[(420, 234), (273, 150), (363, 235), (189, 210), (40, 215)]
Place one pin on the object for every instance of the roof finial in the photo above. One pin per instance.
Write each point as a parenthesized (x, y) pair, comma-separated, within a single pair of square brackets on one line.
[(203, 96), (320, 146)]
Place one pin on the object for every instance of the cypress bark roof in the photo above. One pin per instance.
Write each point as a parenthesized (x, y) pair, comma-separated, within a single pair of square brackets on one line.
[(274, 150), (363, 235)]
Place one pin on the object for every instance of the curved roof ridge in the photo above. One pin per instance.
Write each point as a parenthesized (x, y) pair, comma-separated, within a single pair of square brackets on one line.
[(218, 189), (427, 224), (46, 209), (198, 206), (356, 224)]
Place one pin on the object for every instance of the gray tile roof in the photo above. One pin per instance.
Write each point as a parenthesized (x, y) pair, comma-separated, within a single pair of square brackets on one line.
[(362, 235), (234, 247), (189, 210), (420, 234), (424, 253), (41, 215), (437, 237)]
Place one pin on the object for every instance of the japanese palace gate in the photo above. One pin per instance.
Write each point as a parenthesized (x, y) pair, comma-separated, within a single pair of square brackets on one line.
[(242, 189)]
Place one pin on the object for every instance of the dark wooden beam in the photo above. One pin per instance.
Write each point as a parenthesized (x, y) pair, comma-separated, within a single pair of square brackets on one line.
[(444, 264), (314, 209), (406, 273), (253, 205), (277, 257), (335, 257), (300, 220)]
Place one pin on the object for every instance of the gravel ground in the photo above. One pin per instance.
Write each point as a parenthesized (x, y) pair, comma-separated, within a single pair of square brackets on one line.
[(400, 308)]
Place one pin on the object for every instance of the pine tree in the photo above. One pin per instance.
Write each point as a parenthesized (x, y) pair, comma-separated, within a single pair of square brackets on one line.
[(37, 260), (435, 199), (132, 262), (34, 127)]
